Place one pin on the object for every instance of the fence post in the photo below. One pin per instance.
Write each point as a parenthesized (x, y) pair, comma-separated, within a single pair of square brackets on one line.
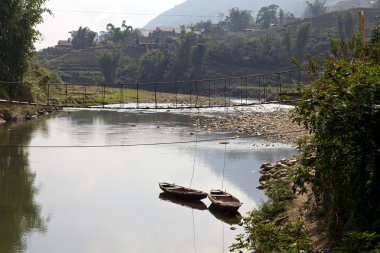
[(48, 101), (190, 93), (259, 89), (104, 94), (196, 90), (155, 94), (241, 90), (137, 95), (224, 92), (176, 94), (122, 95), (84, 95), (209, 93), (66, 93), (279, 85), (229, 91), (246, 90)]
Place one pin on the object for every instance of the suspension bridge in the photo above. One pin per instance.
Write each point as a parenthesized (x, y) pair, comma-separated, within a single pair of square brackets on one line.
[(278, 87)]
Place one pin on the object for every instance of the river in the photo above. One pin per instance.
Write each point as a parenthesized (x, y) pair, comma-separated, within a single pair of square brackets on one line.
[(87, 181)]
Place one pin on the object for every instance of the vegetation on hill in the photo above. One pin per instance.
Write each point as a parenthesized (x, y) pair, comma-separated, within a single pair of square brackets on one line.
[(20, 79), (235, 46), (339, 162)]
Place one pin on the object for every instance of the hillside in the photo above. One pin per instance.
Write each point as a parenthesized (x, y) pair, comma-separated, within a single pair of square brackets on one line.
[(204, 10), (82, 65)]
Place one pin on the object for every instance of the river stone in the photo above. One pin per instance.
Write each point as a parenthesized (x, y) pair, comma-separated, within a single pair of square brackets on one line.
[(264, 177), (276, 174), (2, 120), (280, 166)]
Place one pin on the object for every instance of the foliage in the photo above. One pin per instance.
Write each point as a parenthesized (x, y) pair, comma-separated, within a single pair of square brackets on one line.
[(268, 230), (198, 57), (345, 25), (267, 16), (239, 19), (18, 19), (152, 66), (119, 34), (341, 109), (268, 50), (82, 38), (373, 49), (302, 39), (315, 8), (354, 241), (109, 65), (349, 24)]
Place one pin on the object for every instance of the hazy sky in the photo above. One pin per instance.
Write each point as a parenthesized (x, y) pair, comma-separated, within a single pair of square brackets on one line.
[(68, 15)]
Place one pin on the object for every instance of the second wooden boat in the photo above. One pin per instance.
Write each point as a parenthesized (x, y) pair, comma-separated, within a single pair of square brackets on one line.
[(224, 201), (182, 192)]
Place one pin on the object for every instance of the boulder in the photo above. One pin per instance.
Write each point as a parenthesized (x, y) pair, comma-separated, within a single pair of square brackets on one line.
[(264, 177)]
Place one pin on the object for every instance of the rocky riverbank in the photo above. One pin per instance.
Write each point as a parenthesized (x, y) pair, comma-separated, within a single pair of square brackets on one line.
[(272, 125), (277, 172), (24, 112)]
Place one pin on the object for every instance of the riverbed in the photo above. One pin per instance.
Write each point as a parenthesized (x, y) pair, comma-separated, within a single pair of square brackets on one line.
[(87, 181)]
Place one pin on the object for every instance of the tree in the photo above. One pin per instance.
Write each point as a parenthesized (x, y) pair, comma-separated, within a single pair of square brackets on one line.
[(119, 34), (109, 65), (315, 8), (341, 28), (239, 19), (152, 66), (267, 16), (18, 19), (302, 39), (340, 108), (83, 38), (197, 60), (287, 43), (349, 25), (281, 16), (373, 48)]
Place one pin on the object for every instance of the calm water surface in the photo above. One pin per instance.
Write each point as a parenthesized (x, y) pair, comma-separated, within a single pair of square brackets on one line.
[(107, 199)]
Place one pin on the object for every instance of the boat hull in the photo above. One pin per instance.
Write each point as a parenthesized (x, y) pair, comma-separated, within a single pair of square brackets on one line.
[(182, 192), (224, 201)]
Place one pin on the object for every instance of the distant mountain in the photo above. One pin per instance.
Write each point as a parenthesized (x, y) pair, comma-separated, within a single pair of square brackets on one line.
[(209, 9)]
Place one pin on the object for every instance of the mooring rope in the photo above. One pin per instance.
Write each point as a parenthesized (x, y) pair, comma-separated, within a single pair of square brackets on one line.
[(195, 150), (225, 150)]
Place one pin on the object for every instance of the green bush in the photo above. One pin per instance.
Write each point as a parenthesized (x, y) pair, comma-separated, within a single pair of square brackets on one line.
[(341, 108)]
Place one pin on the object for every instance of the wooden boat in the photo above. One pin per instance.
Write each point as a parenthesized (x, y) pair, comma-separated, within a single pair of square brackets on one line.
[(224, 201), (190, 203), (182, 192)]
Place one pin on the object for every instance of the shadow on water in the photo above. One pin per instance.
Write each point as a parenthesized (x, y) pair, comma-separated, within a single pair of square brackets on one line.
[(20, 215), (193, 204), (226, 217)]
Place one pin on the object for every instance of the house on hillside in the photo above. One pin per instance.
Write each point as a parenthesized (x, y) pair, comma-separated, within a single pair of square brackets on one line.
[(64, 45), (350, 4), (165, 31)]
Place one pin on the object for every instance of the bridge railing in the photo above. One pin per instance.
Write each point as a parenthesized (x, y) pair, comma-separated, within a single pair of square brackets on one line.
[(226, 91)]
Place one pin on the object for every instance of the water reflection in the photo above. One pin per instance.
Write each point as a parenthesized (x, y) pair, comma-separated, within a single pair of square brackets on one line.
[(193, 204), (226, 217), (105, 199), (20, 215)]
